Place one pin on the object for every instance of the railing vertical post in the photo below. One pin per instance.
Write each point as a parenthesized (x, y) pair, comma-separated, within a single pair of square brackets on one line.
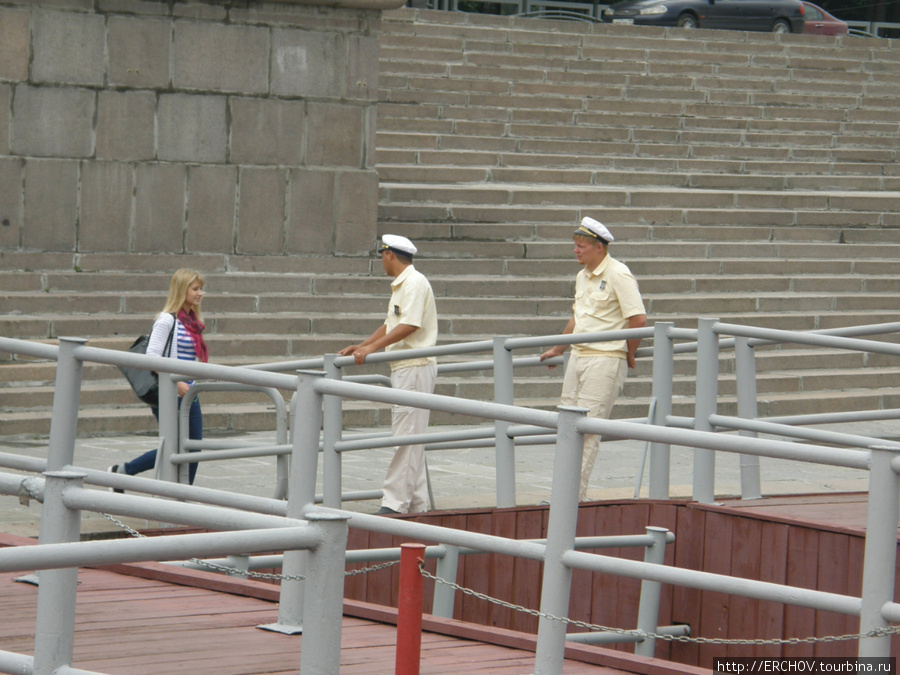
[(648, 609), (445, 596), (505, 447), (323, 608), (168, 429), (745, 372), (282, 462), (556, 586), (331, 434), (54, 634), (55, 626), (705, 401), (409, 610), (64, 419), (663, 374), (307, 420), (879, 563)]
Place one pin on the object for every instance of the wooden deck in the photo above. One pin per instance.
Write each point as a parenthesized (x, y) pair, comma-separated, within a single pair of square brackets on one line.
[(136, 626), (150, 619)]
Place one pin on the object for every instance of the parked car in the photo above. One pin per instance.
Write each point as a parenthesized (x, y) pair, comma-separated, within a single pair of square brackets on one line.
[(777, 16), (820, 22)]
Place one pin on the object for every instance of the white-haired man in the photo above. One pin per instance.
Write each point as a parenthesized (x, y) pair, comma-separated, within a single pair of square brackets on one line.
[(607, 298), (411, 323)]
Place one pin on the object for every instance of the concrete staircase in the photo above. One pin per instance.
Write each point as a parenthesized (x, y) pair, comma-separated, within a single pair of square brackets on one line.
[(749, 177)]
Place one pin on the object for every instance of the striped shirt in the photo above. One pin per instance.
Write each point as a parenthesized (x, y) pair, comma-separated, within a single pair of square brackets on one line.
[(182, 346)]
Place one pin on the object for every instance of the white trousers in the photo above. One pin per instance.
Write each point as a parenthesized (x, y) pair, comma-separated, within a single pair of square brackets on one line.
[(592, 382), (406, 486)]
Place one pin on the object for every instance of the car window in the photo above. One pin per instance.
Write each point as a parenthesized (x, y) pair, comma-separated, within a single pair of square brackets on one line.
[(813, 14)]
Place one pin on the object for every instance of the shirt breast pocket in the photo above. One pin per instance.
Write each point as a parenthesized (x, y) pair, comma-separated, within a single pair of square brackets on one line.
[(598, 297)]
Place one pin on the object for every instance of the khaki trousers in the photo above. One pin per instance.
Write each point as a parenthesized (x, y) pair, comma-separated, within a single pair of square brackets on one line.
[(592, 382), (406, 486)]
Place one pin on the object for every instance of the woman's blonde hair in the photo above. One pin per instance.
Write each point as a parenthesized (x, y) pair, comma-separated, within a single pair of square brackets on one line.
[(178, 288)]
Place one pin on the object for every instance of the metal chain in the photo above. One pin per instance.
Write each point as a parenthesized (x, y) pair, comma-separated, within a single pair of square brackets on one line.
[(877, 632), (216, 567), (373, 568)]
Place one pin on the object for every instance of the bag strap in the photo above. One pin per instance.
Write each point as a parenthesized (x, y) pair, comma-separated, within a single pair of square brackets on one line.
[(168, 346)]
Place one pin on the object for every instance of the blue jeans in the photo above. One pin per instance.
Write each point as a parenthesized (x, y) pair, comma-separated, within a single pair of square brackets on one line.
[(195, 432)]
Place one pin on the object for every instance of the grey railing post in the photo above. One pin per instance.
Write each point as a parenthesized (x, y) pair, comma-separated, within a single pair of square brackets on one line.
[(323, 608), (64, 419), (282, 462), (505, 447), (705, 405), (305, 426), (745, 371), (663, 374), (444, 595), (556, 586), (880, 560), (168, 430), (332, 480), (648, 608), (55, 626), (55, 629)]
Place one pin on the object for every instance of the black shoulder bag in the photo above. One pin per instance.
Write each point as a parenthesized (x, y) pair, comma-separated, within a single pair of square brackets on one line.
[(145, 383)]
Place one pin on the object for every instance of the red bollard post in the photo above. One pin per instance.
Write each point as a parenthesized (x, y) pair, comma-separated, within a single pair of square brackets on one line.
[(409, 610)]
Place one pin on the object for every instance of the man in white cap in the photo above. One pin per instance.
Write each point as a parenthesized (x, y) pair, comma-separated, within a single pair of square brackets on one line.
[(411, 323), (606, 299)]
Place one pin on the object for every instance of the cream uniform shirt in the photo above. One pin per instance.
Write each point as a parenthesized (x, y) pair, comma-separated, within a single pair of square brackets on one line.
[(412, 303), (605, 298)]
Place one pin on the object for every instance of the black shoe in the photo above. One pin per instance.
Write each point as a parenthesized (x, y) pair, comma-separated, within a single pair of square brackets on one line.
[(115, 469), (385, 511)]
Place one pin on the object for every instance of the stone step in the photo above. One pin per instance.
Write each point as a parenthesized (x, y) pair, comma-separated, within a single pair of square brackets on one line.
[(685, 297), (438, 174), (770, 212), (652, 143), (664, 261), (801, 167), (476, 290), (602, 196), (634, 114), (521, 91), (520, 76), (621, 66), (462, 294)]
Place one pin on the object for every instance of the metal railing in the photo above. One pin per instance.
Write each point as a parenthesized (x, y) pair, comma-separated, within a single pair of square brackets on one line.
[(64, 497)]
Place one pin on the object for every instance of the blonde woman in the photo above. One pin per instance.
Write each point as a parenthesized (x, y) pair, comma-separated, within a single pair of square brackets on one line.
[(177, 334)]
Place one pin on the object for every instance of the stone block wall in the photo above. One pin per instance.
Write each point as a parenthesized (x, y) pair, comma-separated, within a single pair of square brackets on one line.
[(142, 126)]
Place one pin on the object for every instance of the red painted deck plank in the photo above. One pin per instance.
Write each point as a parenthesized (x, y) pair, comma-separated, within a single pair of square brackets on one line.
[(137, 626), (837, 512)]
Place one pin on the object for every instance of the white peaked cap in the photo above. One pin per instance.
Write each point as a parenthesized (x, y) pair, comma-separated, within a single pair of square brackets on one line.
[(594, 228), (398, 243)]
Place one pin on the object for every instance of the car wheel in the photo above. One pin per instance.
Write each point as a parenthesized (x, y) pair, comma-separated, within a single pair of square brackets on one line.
[(687, 21), (781, 26)]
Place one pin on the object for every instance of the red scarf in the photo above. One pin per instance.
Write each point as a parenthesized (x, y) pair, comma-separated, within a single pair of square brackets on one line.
[(195, 329)]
